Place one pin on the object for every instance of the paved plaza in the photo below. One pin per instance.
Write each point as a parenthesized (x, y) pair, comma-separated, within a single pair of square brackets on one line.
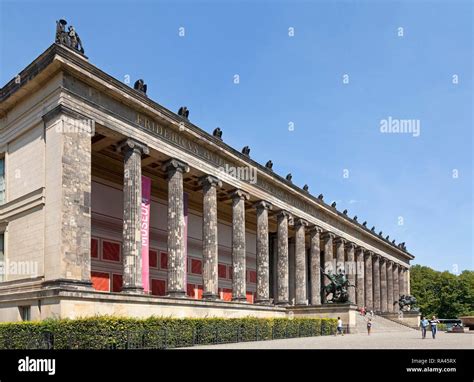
[(410, 339)]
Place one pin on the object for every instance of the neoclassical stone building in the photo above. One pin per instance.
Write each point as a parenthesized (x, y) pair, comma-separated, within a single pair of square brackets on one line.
[(112, 204)]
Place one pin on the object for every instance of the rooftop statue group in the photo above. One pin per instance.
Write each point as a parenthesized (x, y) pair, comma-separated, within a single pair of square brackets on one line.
[(68, 37)]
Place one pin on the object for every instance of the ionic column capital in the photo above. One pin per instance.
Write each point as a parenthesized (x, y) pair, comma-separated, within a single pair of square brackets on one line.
[(300, 223), (173, 165), (283, 214), (350, 245), (263, 205), (369, 254), (339, 241), (131, 144), (239, 195), (314, 229), (376, 256), (327, 235), (210, 181)]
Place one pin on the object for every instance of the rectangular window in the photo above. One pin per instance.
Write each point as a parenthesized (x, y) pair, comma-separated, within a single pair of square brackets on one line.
[(163, 260), (110, 251), (196, 266), (117, 282), (25, 312), (222, 271), (2, 180), (94, 248), (100, 281), (2, 258), (158, 287), (153, 258)]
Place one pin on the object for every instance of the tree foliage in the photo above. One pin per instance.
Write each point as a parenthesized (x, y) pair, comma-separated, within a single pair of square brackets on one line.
[(442, 294)]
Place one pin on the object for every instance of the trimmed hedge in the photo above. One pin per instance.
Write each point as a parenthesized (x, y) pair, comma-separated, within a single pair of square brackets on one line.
[(107, 332)]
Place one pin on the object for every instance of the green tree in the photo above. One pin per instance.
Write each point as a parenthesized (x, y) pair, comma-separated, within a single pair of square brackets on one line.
[(442, 294)]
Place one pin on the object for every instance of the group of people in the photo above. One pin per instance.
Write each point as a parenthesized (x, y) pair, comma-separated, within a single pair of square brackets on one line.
[(364, 312), (340, 327), (433, 323), (424, 323)]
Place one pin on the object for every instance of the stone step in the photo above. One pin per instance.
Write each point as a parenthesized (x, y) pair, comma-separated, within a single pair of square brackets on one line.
[(380, 324)]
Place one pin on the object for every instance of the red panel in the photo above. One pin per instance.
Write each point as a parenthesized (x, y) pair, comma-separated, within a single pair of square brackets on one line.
[(230, 272), (196, 266), (253, 276), (200, 292), (100, 281), (163, 260), (110, 251), (158, 287), (249, 296), (222, 271), (227, 294), (95, 248), (117, 282), (153, 258), (190, 290)]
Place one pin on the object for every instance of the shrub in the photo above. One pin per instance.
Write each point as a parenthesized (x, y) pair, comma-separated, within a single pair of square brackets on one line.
[(107, 332)]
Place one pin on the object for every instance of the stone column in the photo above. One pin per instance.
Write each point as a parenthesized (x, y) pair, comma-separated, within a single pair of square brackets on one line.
[(327, 238), (282, 258), (389, 286), (300, 269), (263, 286), (132, 200), (396, 288), (209, 237), (401, 280), (408, 282), (369, 301), (383, 285), (360, 280), (340, 242), (176, 227), (351, 270), (315, 265), (238, 245), (376, 280)]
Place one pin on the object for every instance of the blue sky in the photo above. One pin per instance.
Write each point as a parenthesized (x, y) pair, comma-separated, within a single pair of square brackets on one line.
[(299, 79)]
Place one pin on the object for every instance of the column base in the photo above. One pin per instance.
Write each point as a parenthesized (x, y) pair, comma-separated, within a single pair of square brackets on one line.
[(283, 303), (177, 294), (263, 301), (301, 304), (133, 290), (239, 299), (210, 296)]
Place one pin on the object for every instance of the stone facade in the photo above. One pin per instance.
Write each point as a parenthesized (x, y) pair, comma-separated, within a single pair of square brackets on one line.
[(68, 125)]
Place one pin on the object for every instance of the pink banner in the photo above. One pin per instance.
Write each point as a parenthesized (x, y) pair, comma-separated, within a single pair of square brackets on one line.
[(145, 229), (185, 210)]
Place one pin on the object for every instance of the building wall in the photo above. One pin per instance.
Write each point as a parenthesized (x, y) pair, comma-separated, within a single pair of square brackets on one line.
[(25, 164)]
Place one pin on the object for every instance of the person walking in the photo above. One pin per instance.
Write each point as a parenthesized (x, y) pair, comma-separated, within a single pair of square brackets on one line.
[(369, 326), (339, 327), (433, 323), (423, 324)]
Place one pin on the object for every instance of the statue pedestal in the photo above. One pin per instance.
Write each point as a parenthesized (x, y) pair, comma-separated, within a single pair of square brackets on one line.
[(347, 311)]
